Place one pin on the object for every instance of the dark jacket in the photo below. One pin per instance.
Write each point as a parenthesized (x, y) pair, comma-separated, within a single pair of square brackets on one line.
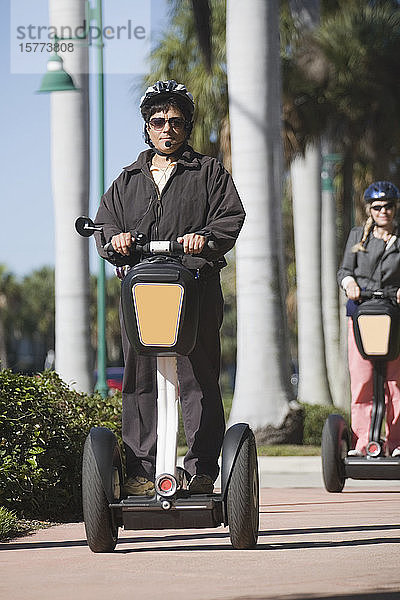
[(374, 269), (199, 197)]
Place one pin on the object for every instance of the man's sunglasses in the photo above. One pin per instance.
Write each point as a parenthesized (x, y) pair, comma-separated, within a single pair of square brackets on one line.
[(378, 208), (158, 123)]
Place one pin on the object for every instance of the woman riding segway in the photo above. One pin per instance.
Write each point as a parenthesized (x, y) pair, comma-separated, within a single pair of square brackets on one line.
[(370, 276), (372, 261)]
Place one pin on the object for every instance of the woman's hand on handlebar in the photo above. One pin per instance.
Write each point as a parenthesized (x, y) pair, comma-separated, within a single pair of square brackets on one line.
[(122, 243), (193, 243), (353, 291)]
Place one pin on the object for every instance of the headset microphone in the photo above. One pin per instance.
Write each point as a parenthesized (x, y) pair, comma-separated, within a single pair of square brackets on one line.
[(168, 144)]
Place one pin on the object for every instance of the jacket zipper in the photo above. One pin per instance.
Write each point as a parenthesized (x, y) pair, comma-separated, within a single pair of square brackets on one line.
[(151, 202), (158, 214), (158, 204)]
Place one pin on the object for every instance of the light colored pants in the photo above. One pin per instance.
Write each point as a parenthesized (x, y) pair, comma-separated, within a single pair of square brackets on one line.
[(361, 378)]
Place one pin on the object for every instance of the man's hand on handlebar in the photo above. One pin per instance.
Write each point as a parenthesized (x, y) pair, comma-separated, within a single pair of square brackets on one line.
[(122, 243), (193, 243), (398, 296), (352, 291)]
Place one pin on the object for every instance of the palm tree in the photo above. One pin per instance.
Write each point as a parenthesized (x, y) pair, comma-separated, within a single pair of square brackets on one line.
[(202, 18), (307, 213), (36, 310), (306, 192), (70, 178), (336, 363), (261, 394)]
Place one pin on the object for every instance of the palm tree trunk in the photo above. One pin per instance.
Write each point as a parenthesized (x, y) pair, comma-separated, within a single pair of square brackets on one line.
[(347, 199), (330, 293), (312, 251), (70, 178), (347, 224), (306, 192), (262, 392)]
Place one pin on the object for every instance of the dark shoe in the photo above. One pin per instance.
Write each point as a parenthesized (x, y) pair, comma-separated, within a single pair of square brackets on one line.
[(138, 486), (201, 484)]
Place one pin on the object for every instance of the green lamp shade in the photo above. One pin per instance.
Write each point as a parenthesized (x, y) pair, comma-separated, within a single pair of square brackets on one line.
[(56, 79)]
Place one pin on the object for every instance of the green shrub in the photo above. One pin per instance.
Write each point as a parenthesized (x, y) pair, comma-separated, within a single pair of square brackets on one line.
[(315, 416), (8, 523), (43, 425)]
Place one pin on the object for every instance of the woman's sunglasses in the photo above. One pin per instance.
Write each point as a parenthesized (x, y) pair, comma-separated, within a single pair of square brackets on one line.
[(158, 123), (378, 208)]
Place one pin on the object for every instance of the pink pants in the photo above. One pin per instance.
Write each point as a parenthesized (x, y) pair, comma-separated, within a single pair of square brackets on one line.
[(361, 380)]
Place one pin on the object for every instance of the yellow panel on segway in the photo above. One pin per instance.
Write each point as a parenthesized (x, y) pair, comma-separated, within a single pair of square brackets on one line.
[(374, 331), (158, 310)]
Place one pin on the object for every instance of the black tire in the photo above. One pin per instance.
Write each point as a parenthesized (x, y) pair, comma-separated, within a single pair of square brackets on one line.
[(101, 533), (243, 497), (334, 447)]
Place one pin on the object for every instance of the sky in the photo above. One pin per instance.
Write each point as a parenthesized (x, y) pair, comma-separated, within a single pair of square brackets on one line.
[(26, 203)]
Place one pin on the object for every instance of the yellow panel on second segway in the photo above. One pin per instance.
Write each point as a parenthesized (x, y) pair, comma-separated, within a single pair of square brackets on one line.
[(375, 330), (158, 310)]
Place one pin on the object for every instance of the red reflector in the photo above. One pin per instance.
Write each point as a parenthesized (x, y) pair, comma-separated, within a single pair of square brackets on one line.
[(165, 485), (373, 448)]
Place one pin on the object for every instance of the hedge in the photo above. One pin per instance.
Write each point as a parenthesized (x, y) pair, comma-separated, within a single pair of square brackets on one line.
[(315, 416), (43, 425), (9, 524)]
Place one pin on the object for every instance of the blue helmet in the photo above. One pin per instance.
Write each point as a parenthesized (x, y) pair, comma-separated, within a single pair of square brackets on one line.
[(381, 190)]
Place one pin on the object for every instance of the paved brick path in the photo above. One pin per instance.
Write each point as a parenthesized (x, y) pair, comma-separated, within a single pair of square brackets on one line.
[(312, 545)]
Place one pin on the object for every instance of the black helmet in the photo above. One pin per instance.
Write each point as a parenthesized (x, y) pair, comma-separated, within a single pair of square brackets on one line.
[(164, 90), (381, 190), (168, 89)]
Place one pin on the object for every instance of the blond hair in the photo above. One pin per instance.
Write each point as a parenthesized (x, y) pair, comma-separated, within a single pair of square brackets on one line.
[(368, 225)]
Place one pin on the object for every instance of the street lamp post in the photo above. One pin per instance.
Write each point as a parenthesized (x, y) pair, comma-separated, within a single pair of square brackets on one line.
[(101, 386)]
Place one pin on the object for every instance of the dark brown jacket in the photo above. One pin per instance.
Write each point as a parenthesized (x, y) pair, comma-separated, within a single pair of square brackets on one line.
[(199, 197)]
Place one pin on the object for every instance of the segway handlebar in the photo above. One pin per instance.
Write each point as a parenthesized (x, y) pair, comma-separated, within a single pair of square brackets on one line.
[(385, 294), (150, 248), (85, 227)]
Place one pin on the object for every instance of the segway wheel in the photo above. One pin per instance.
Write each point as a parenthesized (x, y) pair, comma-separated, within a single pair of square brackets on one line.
[(243, 497), (101, 533), (334, 448)]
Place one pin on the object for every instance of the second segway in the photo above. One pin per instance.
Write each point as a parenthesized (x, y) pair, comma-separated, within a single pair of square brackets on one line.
[(376, 324)]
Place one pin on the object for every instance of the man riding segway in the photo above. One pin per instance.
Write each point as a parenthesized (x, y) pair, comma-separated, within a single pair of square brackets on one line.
[(172, 192)]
